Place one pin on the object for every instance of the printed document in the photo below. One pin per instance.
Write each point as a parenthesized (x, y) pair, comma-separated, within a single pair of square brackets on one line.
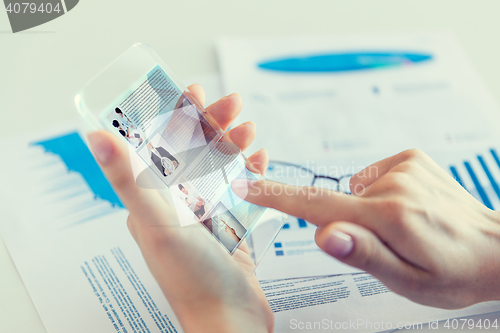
[(315, 98)]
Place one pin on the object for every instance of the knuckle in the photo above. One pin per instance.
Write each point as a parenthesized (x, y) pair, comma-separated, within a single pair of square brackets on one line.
[(395, 210), (308, 194), (154, 240), (354, 179), (416, 285), (405, 167), (130, 221), (312, 192), (157, 243), (369, 256), (412, 154), (148, 236), (305, 194), (397, 181), (310, 197), (122, 181), (131, 225), (353, 182), (359, 190)]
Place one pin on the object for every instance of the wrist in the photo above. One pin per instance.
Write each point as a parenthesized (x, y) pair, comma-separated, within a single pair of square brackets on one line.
[(489, 274), (219, 318)]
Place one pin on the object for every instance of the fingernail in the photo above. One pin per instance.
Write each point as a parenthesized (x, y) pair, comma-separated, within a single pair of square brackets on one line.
[(101, 147), (338, 244), (240, 186)]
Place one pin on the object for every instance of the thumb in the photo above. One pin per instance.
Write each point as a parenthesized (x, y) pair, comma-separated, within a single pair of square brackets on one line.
[(113, 158), (359, 247)]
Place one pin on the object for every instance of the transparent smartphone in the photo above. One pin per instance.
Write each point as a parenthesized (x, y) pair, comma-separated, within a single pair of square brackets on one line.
[(177, 145)]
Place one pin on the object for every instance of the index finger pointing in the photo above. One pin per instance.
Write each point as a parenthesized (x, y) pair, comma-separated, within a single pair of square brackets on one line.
[(316, 205)]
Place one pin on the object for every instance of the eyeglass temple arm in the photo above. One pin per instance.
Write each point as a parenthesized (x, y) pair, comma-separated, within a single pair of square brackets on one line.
[(327, 177)]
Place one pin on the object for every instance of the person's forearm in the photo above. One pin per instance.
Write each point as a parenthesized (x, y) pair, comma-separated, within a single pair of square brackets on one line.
[(222, 319), (488, 285)]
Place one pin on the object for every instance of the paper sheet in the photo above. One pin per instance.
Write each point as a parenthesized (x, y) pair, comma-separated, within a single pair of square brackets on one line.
[(68, 238), (377, 105), (350, 303), (294, 254)]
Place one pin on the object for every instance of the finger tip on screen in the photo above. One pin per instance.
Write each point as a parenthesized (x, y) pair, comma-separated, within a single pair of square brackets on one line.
[(240, 187)]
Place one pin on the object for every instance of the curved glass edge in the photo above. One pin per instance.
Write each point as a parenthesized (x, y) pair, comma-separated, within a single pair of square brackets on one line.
[(263, 234), (137, 53)]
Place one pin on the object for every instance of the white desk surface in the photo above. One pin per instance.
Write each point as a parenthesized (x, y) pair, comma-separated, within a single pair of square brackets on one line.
[(42, 68)]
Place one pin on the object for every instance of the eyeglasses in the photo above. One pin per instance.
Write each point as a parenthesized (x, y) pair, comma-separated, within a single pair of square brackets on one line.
[(294, 174)]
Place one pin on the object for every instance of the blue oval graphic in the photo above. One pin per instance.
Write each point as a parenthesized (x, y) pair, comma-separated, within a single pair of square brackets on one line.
[(343, 62)]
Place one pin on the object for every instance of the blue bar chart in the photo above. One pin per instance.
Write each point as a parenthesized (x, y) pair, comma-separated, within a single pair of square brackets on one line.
[(480, 176), (295, 225), (81, 193)]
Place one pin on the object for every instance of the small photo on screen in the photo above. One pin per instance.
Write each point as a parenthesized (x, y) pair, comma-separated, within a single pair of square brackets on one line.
[(161, 157), (192, 199), (126, 127), (225, 227)]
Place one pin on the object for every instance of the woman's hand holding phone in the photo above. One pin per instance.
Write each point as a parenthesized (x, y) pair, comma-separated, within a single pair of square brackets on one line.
[(207, 289)]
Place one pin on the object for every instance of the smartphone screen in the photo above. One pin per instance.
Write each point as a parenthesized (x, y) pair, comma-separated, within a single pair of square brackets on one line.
[(188, 152)]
